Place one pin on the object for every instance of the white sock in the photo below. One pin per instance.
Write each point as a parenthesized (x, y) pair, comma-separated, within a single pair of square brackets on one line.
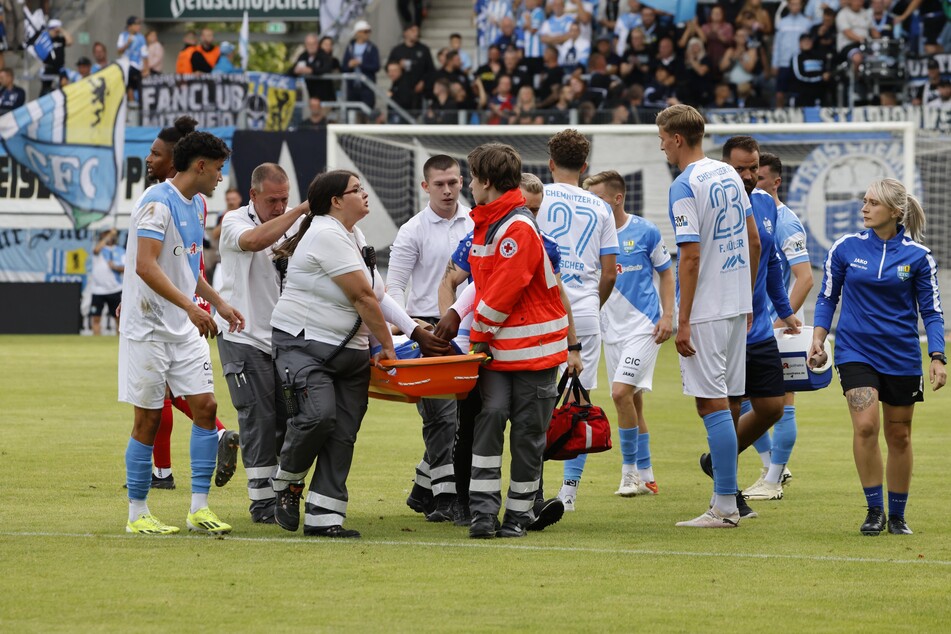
[(647, 475), (569, 489), (199, 501), (628, 468), (221, 432), (137, 508), (161, 472), (764, 456), (775, 473), (725, 504)]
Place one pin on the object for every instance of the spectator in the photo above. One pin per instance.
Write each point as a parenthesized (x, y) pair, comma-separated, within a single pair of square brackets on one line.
[(605, 46), (812, 73), (620, 114), (3, 35), (928, 92), (318, 116), (698, 75), (607, 19), (762, 20), (555, 29), (490, 19), (83, 67), (183, 64), (574, 51), (626, 23), (854, 24), (443, 109), (549, 78), (667, 56), (824, 35), (816, 9), (488, 73), (653, 30), (740, 65), (455, 44), (883, 22), (509, 35), (105, 280), (326, 89), (933, 18), (132, 47), (315, 60), (411, 12), (786, 44), (525, 111), (100, 57), (402, 91), (582, 11), (156, 52), (513, 66), (634, 95), (362, 56), (502, 102), (600, 81), (11, 95), (636, 65), (225, 64), (942, 102), (451, 71), (56, 60), (719, 36), (586, 113), (415, 59), (206, 53), (561, 113), (661, 92), (464, 98), (722, 96), (533, 16)]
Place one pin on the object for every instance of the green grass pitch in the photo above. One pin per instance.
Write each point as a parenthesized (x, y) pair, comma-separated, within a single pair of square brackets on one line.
[(613, 565)]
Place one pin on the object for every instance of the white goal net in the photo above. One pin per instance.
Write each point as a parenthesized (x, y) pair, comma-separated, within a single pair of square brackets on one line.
[(826, 170)]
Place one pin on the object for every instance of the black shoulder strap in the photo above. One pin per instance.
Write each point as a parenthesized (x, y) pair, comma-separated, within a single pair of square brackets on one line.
[(495, 226)]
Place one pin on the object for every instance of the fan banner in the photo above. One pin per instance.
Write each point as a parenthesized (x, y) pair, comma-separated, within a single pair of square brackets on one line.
[(72, 139)]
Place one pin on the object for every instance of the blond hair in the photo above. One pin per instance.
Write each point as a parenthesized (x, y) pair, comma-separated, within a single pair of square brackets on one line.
[(893, 195), (531, 183), (609, 178), (683, 120)]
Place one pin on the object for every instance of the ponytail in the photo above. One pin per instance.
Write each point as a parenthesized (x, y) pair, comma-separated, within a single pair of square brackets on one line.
[(287, 248), (913, 218), (893, 195)]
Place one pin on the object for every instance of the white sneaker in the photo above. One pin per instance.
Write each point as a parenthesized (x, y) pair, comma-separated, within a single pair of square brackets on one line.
[(630, 485), (759, 481), (713, 519), (567, 496), (786, 478), (764, 490)]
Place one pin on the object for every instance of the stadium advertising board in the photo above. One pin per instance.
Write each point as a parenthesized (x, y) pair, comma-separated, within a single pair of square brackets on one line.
[(927, 117), (265, 99), (217, 10)]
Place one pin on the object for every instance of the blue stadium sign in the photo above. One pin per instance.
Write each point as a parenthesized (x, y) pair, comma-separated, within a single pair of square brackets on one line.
[(218, 10)]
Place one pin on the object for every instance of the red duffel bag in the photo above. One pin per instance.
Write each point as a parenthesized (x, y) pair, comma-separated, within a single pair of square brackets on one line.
[(576, 428)]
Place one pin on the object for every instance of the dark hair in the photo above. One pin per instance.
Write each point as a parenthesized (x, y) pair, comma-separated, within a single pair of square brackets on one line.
[(497, 163), (569, 149), (452, 35), (746, 143), (438, 162), (771, 161), (174, 133), (320, 194), (198, 145)]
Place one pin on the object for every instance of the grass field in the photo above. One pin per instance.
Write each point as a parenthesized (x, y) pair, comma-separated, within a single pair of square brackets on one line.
[(613, 565)]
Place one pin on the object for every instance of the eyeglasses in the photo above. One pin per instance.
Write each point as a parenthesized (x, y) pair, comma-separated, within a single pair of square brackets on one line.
[(359, 189)]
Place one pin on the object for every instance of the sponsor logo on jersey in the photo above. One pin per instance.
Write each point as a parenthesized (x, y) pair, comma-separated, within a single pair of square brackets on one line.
[(859, 263), (732, 262), (190, 250), (630, 268), (768, 225), (680, 221)]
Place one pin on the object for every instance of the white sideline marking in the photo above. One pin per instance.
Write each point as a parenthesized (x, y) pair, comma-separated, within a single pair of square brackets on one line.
[(496, 546)]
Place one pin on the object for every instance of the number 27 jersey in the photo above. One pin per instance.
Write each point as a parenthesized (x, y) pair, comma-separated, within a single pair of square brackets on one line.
[(709, 205)]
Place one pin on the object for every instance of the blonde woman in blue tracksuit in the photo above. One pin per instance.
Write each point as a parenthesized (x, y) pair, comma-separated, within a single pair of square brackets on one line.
[(886, 279)]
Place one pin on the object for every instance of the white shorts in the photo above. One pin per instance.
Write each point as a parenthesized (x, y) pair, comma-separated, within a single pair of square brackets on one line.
[(632, 361), (590, 357), (718, 370), (146, 366)]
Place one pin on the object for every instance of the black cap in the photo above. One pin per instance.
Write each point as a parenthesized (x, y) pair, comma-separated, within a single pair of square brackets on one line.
[(933, 63), (805, 36), (83, 61), (131, 20), (944, 82)]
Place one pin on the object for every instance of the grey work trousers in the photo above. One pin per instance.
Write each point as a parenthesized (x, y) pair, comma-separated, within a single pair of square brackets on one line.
[(525, 399), (436, 470), (262, 418), (331, 400)]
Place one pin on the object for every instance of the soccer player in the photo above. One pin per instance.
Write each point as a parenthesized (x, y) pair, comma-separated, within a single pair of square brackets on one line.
[(717, 261), (162, 328), (883, 271), (417, 260), (159, 166), (251, 282), (790, 240), (633, 325), (583, 226), (520, 323)]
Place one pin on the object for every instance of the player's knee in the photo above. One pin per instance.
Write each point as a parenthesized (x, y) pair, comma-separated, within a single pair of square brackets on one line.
[(898, 436), (866, 430), (204, 409), (622, 394)]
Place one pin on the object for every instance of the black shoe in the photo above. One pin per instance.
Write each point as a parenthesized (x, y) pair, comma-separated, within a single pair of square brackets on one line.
[(483, 526), (167, 482), (897, 526), (336, 531), (460, 512), (875, 521), (265, 516), (287, 509), (511, 529), (746, 513), (547, 513), (706, 464), (227, 457), (443, 511), (421, 500)]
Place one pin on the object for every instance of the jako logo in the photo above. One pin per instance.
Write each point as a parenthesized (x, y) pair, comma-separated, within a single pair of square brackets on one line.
[(733, 261)]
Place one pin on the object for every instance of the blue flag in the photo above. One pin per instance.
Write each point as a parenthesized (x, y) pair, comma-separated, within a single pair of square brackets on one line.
[(73, 139), (682, 10)]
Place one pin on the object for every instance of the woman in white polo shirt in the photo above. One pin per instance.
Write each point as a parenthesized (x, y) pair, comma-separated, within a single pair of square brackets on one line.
[(323, 322)]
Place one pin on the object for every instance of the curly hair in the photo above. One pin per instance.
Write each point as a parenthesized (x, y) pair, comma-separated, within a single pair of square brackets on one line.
[(569, 149)]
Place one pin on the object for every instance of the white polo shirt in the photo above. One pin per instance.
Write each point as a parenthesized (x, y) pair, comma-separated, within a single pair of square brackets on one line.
[(419, 256), (249, 280)]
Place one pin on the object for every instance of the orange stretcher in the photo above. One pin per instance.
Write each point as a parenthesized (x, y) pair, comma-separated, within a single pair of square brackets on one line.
[(409, 380)]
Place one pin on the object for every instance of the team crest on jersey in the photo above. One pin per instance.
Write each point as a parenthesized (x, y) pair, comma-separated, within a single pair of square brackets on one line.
[(508, 248), (628, 246), (904, 272)]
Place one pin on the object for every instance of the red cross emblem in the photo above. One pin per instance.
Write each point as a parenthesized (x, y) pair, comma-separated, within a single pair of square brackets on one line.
[(508, 248)]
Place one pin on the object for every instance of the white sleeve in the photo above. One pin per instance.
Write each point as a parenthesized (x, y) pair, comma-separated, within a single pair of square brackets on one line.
[(394, 314), (231, 231), (465, 302), (403, 257)]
